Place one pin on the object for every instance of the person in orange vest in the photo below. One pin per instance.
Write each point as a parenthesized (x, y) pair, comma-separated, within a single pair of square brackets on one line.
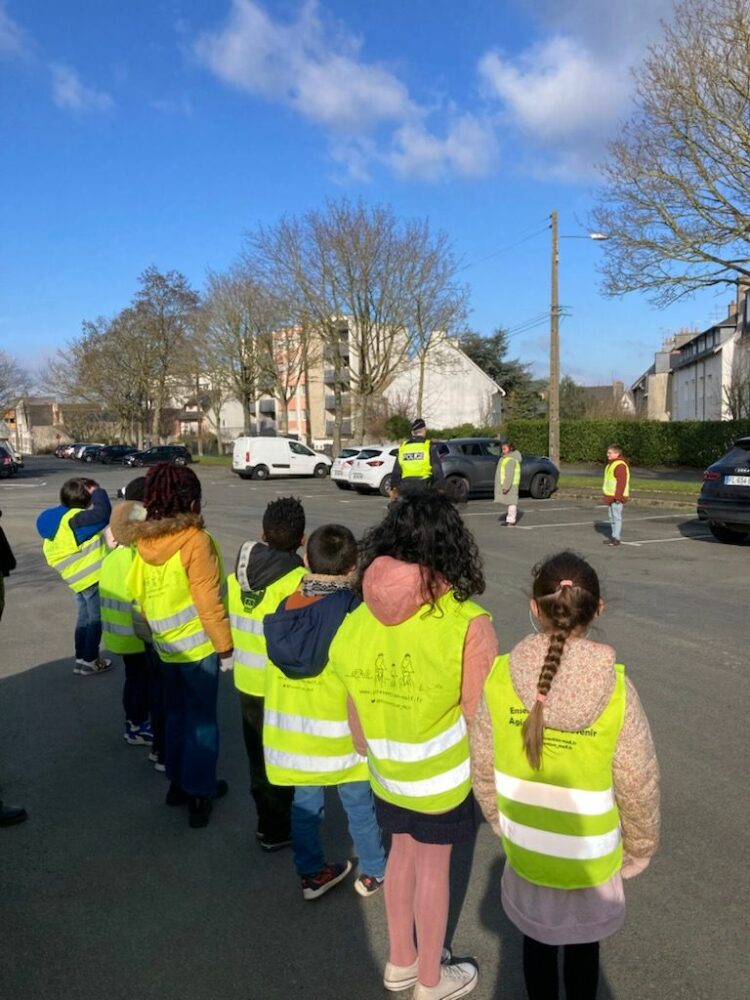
[(615, 490)]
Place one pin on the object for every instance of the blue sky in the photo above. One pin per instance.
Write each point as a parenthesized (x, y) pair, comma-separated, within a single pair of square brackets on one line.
[(161, 131)]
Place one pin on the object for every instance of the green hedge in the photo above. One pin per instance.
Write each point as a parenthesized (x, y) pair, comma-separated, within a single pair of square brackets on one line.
[(645, 442)]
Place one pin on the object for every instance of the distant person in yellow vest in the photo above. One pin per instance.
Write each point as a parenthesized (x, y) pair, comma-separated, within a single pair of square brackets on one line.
[(508, 481), (266, 572), (413, 657), (566, 774), (616, 490), (417, 467), (317, 750), (74, 546), (125, 631), (176, 578)]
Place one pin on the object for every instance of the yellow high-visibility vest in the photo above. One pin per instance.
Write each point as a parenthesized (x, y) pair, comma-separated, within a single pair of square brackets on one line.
[(118, 631), (414, 460), (560, 825), (516, 472), (78, 565), (609, 488), (405, 681), (246, 614)]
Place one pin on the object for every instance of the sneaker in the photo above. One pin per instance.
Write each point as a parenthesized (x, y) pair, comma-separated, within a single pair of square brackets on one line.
[(455, 981), (271, 846), (368, 885), (158, 766), (199, 811), (88, 668), (613, 542), (142, 735), (328, 876), (402, 977)]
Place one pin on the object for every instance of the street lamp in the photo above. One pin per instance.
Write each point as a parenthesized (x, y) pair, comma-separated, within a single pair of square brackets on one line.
[(553, 392)]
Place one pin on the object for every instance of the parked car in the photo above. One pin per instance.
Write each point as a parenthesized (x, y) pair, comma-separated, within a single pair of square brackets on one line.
[(80, 450), (89, 452), (113, 454), (724, 501), (261, 457), (176, 454), (342, 465), (16, 456), (471, 462), (371, 469), (7, 465), (69, 450)]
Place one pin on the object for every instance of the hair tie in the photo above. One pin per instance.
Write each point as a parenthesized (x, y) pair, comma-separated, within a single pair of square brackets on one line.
[(565, 583), (541, 697)]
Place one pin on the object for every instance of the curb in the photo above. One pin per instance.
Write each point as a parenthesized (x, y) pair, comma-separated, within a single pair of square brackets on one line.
[(641, 500)]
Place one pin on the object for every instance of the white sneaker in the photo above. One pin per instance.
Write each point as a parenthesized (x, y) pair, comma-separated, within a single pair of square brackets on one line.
[(401, 977), (455, 981), (88, 668)]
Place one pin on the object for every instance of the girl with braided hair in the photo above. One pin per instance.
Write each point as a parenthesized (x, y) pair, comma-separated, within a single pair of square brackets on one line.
[(176, 578), (565, 771)]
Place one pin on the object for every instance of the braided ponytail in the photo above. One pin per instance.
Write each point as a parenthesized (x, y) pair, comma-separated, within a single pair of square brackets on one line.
[(566, 590), (170, 490)]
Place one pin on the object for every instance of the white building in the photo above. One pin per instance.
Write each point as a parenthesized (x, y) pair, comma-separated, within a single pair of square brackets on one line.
[(703, 371), (456, 391)]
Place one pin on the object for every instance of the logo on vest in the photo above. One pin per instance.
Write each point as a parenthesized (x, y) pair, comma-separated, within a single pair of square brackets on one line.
[(391, 683), (252, 598)]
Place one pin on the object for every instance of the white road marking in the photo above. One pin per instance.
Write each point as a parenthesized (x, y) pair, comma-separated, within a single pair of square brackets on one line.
[(573, 524), (526, 511), (674, 538)]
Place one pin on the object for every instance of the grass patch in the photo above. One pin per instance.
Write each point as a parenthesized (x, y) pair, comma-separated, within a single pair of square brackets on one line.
[(636, 485), (213, 459)]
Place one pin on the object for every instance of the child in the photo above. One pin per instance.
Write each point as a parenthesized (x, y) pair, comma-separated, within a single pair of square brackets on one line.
[(176, 579), (414, 657), (266, 573), (75, 547), (126, 632), (573, 790), (508, 481), (615, 491), (317, 751)]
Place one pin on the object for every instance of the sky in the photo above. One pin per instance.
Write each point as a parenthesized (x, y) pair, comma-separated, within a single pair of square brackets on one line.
[(163, 131)]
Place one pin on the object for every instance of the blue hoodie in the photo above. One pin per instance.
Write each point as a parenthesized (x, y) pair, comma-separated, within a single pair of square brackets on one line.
[(298, 639), (84, 525)]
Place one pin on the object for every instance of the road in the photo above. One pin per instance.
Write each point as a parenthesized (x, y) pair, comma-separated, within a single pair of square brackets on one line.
[(105, 894)]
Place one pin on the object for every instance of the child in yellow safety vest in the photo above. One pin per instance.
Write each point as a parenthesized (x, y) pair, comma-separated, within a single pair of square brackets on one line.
[(413, 657), (266, 572), (565, 771), (74, 546), (307, 742)]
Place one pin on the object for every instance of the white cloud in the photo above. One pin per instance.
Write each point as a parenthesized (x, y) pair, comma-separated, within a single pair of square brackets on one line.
[(13, 40), (69, 93), (469, 149)]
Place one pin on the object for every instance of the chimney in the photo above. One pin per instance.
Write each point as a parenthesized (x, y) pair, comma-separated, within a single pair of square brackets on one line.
[(732, 310)]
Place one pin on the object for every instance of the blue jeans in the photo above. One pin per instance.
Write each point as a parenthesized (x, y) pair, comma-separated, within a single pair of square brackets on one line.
[(307, 813), (615, 520), (191, 741), (88, 624)]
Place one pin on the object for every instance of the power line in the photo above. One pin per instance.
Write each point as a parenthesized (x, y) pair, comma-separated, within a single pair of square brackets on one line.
[(510, 246)]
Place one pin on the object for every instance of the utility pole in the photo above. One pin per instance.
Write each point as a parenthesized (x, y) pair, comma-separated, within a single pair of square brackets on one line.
[(553, 392)]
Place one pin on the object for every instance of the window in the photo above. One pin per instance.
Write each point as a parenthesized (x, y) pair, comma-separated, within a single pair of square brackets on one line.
[(299, 449), (493, 448), (472, 449)]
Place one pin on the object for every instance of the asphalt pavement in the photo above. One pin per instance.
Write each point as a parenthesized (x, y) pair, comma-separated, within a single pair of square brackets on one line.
[(106, 894)]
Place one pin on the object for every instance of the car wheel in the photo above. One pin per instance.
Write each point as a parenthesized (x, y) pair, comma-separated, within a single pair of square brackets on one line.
[(320, 471), (385, 486), (541, 486), (342, 486), (260, 472), (459, 487), (730, 536), (138, 463), (89, 458)]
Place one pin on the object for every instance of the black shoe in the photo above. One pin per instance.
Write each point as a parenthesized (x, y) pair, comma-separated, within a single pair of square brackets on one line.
[(12, 815), (176, 796), (221, 789), (199, 811), (271, 846)]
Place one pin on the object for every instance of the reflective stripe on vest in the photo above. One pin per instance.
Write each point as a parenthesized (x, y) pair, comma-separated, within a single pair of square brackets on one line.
[(118, 631), (414, 459), (246, 614), (78, 565), (178, 635), (609, 488), (560, 825), (516, 472), (418, 748)]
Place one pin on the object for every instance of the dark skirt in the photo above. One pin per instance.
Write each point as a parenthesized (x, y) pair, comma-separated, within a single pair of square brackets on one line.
[(452, 827)]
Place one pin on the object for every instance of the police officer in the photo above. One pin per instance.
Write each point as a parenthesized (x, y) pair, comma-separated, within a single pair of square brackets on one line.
[(417, 467)]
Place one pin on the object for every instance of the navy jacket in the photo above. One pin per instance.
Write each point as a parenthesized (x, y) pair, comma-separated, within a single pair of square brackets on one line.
[(298, 640), (85, 524)]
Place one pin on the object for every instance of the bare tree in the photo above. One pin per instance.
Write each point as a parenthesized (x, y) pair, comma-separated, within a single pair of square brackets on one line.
[(676, 205), (14, 382)]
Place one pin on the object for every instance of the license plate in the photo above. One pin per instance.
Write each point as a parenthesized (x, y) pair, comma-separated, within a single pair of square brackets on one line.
[(737, 480), (358, 475)]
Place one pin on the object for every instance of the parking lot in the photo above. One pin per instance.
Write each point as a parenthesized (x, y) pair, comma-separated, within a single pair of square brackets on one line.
[(104, 892)]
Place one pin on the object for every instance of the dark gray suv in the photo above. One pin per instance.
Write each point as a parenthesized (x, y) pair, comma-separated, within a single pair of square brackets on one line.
[(471, 463)]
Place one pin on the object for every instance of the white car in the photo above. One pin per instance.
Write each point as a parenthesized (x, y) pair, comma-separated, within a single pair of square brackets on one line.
[(342, 465), (371, 469), (261, 457)]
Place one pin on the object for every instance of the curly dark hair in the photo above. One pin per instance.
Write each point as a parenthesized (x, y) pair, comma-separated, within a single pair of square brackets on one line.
[(171, 490), (284, 524), (427, 530)]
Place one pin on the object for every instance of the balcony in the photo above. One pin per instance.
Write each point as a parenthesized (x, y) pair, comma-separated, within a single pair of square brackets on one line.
[(346, 428), (329, 351), (329, 376), (345, 402), (267, 406)]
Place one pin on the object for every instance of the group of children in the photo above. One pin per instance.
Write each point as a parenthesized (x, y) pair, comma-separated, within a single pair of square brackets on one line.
[(369, 667)]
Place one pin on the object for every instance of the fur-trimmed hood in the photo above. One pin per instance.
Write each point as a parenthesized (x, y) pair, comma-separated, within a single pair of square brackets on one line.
[(157, 541)]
